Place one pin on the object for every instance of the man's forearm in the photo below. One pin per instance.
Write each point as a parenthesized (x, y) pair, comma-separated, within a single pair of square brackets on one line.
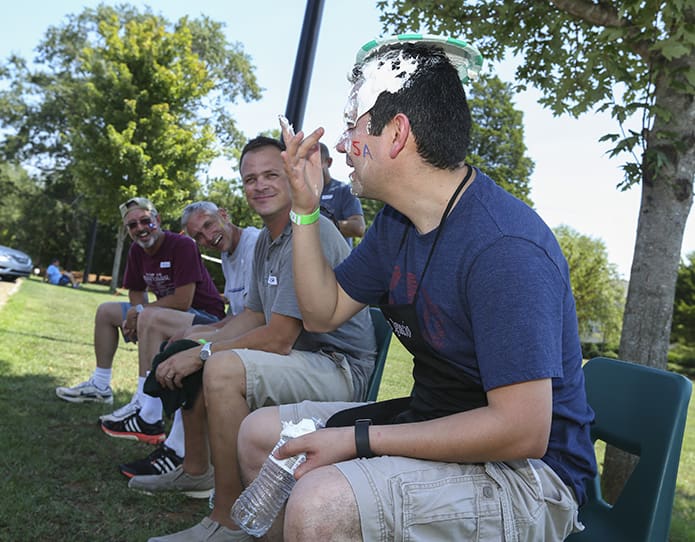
[(352, 226), (314, 280)]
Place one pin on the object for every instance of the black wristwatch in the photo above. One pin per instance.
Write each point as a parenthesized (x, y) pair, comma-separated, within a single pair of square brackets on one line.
[(362, 438), (205, 352)]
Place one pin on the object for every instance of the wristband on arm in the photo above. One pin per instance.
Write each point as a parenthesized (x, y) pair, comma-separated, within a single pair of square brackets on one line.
[(303, 220), (362, 438)]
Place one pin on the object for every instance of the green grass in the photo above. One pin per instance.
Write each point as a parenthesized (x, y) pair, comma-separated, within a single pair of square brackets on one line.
[(59, 471)]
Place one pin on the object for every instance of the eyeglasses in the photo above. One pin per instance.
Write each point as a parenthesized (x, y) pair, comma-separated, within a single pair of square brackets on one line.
[(148, 222)]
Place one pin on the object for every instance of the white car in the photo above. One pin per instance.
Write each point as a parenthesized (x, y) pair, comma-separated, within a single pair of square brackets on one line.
[(14, 263)]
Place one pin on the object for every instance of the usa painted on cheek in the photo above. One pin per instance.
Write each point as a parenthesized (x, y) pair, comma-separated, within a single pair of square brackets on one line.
[(360, 151)]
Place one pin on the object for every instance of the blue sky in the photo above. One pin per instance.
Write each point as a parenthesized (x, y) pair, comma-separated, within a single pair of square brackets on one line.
[(573, 182)]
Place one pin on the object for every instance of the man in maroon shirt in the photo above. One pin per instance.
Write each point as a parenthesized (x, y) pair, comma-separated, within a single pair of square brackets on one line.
[(168, 265)]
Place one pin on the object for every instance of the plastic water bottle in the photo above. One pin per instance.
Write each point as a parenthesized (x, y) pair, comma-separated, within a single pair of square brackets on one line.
[(258, 506)]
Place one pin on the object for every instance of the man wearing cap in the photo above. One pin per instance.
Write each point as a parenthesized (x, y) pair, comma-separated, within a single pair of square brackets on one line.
[(168, 265), (493, 441)]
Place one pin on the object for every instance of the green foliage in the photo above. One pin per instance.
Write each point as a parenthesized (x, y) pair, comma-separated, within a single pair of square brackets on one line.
[(613, 55), (497, 137), (43, 220), (121, 103), (683, 324), (681, 358), (598, 291)]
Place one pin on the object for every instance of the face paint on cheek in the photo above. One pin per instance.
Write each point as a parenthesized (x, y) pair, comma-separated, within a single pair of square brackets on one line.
[(355, 148), (366, 152)]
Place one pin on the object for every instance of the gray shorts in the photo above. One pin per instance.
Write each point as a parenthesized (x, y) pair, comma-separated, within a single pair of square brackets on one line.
[(401, 498), (275, 379)]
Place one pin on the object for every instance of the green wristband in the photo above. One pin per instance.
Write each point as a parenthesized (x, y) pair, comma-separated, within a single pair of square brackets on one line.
[(304, 220), (202, 341)]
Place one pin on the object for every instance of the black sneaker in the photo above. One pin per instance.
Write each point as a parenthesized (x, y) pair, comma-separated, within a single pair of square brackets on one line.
[(161, 461), (135, 428)]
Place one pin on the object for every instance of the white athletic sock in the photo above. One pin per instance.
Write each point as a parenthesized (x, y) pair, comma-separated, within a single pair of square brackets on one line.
[(151, 410), (141, 385), (101, 378), (176, 440)]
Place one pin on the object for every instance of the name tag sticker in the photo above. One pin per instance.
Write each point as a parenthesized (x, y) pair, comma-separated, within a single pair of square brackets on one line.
[(272, 280), (164, 265)]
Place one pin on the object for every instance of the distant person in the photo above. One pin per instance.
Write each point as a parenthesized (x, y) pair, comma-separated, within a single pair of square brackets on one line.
[(339, 204), (210, 227), (60, 278), (168, 265)]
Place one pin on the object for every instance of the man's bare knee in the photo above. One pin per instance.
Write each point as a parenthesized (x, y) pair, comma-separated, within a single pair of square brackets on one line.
[(258, 434), (322, 507), (146, 320), (110, 313), (224, 371)]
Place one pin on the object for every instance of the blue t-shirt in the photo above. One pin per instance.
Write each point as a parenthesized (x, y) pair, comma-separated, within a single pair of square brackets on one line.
[(339, 203), (496, 302), (53, 274)]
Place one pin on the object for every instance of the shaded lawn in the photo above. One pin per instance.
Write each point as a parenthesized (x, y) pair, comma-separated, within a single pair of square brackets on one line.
[(59, 470)]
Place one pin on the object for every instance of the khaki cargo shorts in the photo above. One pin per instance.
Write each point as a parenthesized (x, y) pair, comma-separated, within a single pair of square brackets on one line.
[(404, 499)]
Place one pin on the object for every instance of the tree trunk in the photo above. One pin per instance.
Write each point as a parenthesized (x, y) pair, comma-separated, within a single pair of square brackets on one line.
[(90, 249), (117, 259), (666, 201)]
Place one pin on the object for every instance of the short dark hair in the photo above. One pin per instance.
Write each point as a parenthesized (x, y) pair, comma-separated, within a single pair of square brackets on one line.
[(257, 143), (433, 100), (325, 153)]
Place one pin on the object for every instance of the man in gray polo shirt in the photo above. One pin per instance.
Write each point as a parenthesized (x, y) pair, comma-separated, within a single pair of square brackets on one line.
[(263, 356)]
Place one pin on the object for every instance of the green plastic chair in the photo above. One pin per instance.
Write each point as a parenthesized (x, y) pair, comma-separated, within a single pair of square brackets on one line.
[(641, 410), (382, 332)]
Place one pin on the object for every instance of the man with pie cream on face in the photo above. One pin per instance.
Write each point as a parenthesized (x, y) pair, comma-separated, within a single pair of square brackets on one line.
[(493, 441)]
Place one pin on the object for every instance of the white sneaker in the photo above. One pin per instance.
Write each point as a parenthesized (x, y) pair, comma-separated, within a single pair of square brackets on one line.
[(124, 412), (86, 392)]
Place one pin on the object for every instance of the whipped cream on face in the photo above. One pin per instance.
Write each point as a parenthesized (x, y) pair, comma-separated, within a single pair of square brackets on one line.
[(388, 73)]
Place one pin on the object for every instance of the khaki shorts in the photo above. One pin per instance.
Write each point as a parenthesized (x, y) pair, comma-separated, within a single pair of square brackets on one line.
[(400, 498), (274, 379)]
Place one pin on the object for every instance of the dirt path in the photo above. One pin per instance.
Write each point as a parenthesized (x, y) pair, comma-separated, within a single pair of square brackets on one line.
[(7, 289)]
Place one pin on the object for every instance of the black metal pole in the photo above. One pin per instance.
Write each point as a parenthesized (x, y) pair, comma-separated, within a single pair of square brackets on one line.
[(303, 64)]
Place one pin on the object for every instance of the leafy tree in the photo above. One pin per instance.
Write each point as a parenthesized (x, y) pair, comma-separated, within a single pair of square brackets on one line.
[(16, 187), (683, 329), (40, 218), (121, 103), (635, 59), (497, 136), (598, 290)]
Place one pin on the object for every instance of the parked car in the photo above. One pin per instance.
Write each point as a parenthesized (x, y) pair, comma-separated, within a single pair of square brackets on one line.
[(14, 263)]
